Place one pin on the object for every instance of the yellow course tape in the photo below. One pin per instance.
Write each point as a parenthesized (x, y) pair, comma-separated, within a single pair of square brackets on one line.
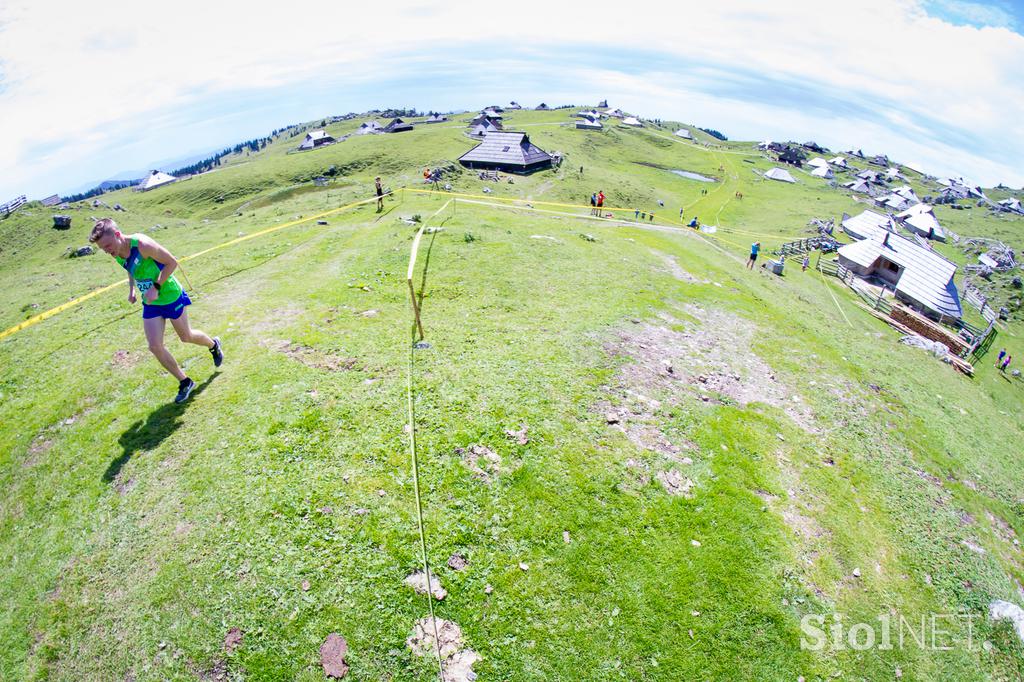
[(834, 299), (72, 303), (59, 309), (81, 299)]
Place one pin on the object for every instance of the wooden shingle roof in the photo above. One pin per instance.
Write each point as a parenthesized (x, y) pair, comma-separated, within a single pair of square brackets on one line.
[(506, 148)]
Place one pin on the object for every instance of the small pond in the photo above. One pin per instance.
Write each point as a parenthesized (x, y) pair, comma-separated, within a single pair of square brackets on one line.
[(692, 176)]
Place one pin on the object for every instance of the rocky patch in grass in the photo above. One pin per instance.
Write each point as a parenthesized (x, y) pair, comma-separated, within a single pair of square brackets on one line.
[(122, 484), (636, 477), (457, 562), (418, 582), (710, 362), (1003, 530), (675, 483), (311, 357), (673, 267), (482, 461), (125, 359), (456, 662), (39, 446), (276, 319)]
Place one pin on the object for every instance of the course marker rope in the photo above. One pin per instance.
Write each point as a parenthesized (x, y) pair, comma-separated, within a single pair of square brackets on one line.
[(32, 321), (96, 292), (418, 326)]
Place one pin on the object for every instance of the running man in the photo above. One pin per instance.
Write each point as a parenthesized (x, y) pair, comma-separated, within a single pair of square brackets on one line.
[(754, 248), (380, 194), (150, 268)]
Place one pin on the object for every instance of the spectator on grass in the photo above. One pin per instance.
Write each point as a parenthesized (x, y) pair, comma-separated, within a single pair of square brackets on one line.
[(999, 360), (807, 262), (1006, 363), (380, 194), (754, 248), (593, 204), (600, 201)]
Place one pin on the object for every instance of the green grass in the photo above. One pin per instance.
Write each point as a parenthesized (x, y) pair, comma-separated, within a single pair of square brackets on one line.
[(139, 532)]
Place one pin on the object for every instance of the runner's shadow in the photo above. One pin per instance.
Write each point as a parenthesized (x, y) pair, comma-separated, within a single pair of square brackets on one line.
[(426, 267), (160, 424)]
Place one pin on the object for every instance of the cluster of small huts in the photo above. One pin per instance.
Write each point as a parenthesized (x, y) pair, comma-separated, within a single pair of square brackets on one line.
[(591, 119), (885, 248), (503, 150)]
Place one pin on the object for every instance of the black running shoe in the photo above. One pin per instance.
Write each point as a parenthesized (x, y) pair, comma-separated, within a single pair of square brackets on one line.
[(216, 352), (185, 387)]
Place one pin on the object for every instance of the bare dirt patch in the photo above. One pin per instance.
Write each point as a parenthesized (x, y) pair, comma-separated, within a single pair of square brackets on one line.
[(39, 446), (1003, 529), (675, 483), (276, 319), (123, 485), (312, 357), (125, 359), (218, 672), (711, 362), (418, 582), (332, 656), (637, 476), (456, 662), (673, 267), (232, 639), (519, 436), (482, 461)]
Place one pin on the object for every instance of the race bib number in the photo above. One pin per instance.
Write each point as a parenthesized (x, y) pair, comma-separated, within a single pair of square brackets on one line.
[(144, 285)]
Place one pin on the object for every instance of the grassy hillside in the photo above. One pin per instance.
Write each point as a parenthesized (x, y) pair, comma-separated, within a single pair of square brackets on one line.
[(710, 453)]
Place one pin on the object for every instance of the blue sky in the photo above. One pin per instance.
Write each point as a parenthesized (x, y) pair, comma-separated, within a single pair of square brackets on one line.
[(979, 14), (115, 87)]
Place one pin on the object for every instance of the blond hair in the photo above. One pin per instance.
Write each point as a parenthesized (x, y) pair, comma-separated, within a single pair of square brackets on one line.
[(103, 227)]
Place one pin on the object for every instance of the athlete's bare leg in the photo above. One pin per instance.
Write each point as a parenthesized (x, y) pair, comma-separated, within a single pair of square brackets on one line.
[(155, 327), (189, 335)]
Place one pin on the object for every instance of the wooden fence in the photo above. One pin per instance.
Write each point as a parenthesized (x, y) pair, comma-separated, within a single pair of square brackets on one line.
[(976, 340), (12, 205)]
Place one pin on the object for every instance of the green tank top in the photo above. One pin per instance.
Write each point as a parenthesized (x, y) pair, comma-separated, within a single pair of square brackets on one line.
[(145, 271)]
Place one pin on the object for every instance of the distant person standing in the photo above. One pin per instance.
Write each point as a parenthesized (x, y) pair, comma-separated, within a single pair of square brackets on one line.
[(581, 171), (1006, 363), (681, 218), (999, 360), (806, 263), (636, 214), (380, 194), (150, 268), (754, 248), (600, 201), (593, 204)]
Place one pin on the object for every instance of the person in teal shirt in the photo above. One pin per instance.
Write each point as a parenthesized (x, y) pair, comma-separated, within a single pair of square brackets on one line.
[(151, 269), (754, 248)]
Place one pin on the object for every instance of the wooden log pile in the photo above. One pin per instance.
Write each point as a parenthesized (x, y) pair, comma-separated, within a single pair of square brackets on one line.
[(929, 330), (958, 363)]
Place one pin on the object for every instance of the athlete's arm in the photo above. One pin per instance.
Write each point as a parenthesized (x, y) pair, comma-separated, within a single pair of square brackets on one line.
[(150, 249), (131, 289)]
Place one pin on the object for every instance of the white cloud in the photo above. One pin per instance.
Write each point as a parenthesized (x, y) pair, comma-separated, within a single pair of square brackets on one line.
[(79, 78)]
